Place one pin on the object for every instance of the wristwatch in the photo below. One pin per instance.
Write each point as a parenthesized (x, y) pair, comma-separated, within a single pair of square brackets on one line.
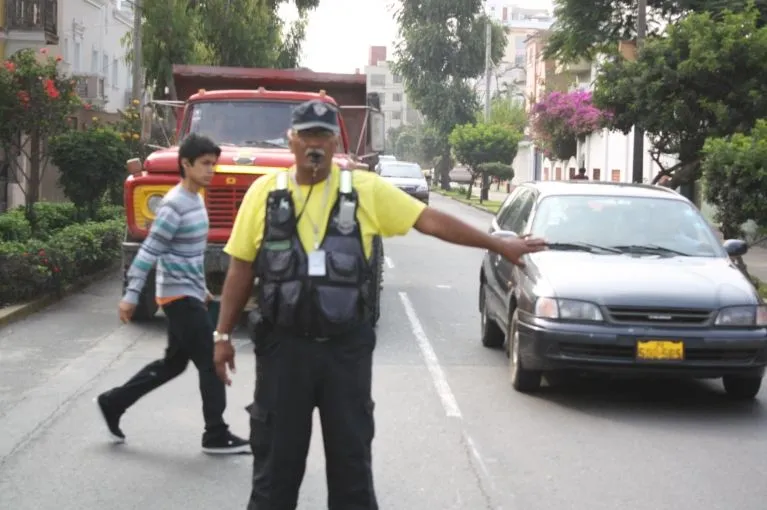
[(221, 337)]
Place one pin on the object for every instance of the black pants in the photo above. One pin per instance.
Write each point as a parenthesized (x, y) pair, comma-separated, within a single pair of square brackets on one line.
[(293, 376), (190, 337)]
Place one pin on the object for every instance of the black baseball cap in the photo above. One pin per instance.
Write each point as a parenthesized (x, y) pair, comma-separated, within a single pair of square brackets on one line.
[(315, 114)]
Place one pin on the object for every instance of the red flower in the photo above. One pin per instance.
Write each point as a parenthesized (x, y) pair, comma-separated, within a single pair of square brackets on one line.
[(50, 88), (23, 96), (10, 66), (41, 253), (59, 59), (44, 51), (87, 106)]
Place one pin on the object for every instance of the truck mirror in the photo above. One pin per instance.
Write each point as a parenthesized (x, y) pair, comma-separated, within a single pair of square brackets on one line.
[(377, 132), (133, 166), (147, 120)]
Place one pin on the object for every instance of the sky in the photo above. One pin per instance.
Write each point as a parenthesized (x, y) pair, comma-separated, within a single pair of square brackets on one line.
[(340, 32)]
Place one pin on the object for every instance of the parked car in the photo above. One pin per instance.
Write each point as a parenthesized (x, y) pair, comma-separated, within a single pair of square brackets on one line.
[(635, 281), (406, 176)]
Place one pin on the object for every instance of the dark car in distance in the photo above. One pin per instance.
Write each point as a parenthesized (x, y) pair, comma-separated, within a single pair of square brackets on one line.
[(406, 176), (635, 281)]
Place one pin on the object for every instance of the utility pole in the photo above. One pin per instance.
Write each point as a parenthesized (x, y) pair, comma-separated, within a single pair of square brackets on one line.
[(488, 62), (638, 173), (138, 82)]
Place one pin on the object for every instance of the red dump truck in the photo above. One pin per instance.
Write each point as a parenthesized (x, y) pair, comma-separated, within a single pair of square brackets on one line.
[(248, 112)]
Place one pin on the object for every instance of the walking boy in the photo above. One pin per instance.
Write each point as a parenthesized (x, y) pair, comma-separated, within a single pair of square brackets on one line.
[(176, 244)]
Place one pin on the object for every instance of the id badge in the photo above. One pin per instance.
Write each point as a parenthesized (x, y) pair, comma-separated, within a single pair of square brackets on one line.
[(317, 263)]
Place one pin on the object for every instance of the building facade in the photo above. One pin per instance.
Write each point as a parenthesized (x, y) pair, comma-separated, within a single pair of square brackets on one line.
[(88, 35), (391, 90)]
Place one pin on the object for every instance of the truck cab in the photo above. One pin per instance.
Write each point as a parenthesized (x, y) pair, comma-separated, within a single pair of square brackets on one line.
[(250, 123)]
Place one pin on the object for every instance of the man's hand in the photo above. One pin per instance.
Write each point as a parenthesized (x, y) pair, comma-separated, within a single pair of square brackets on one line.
[(126, 310), (513, 249), (209, 297), (223, 356)]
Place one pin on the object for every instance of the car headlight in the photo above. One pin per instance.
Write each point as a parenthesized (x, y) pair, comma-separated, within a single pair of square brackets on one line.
[(567, 309), (153, 202), (749, 315)]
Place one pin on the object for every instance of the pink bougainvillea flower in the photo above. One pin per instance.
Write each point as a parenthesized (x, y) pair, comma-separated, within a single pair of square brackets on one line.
[(10, 66), (44, 51)]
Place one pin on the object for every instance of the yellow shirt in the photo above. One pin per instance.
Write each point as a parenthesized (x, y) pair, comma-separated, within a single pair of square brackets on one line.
[(383, 210)]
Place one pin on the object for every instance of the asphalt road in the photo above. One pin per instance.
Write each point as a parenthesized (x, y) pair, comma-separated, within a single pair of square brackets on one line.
[(451, 433)]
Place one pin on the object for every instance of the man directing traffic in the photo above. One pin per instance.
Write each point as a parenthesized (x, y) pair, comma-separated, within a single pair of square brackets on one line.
[(307, 236)]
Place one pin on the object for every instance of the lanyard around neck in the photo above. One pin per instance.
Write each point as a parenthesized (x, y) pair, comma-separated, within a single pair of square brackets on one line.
[(325, 200)]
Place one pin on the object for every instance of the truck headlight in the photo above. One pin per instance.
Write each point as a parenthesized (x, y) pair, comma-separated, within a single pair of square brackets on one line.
[(153, 203), (748, 315), (567, 309)]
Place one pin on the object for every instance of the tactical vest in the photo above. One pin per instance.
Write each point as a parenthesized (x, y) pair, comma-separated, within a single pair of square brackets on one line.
[(313, 306)]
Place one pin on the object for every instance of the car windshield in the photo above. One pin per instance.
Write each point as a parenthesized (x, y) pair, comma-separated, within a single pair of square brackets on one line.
[(242, 123), (656, 226), (407, 170)]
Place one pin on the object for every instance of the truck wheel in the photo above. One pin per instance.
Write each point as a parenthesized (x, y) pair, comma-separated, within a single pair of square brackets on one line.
[(147, 307), (376, 282)]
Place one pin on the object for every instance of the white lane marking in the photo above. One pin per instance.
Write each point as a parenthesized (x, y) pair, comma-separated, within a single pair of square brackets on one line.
[(430, 357), (389, 263)]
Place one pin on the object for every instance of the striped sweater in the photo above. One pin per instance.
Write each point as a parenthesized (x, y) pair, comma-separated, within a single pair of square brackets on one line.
[(176, 244)]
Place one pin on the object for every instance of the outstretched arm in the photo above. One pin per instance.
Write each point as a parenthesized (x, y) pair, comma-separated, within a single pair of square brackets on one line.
[(449, 228)]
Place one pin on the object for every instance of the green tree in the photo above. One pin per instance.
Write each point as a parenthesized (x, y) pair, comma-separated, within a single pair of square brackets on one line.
[(90, 163), (476, 144), (705, 78), (731, 165), (584, 29), (36, 102), (506, 111), (442, 47)]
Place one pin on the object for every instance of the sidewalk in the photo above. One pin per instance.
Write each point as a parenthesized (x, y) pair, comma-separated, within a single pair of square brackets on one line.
[(493, 195), (756, 261)]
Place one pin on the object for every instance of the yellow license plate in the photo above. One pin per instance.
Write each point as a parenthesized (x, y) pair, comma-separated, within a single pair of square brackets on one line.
[(660, 350)]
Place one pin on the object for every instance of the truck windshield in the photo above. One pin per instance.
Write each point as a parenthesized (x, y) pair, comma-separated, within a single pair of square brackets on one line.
[(242, 123)]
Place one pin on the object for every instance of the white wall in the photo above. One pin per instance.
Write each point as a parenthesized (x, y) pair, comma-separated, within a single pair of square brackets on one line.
[(89, 41)]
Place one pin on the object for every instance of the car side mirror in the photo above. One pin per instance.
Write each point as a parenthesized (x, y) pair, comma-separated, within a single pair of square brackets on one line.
[(735, 247), (147, 119), (377, 132)]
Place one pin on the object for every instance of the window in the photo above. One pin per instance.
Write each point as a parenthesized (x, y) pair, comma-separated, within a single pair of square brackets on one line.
[(378, 80), (519, 222), (502, 214), (382, 98), (615, 176), (396, 97), (115, 72), (397, 78), (572, 172), (400, 169), (614, 221), (510, 219), (545, 174), (396, 115), (77, 63), (558, 174), (596, 174), (94, 61)]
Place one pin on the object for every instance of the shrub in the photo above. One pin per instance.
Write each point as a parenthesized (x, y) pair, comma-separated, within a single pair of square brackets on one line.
[(90, 163), (38, 266), (52, 217)]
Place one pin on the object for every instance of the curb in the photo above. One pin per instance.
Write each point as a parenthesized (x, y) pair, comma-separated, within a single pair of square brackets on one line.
[(14, 313), (473, 206)]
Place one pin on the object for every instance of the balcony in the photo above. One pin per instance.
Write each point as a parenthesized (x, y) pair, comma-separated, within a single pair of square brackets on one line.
[(34, 17), (90, 87)]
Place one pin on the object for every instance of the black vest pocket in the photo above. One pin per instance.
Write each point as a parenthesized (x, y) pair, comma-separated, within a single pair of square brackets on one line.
[(337, 305), (288, 303), (280, 265), (343, 268)]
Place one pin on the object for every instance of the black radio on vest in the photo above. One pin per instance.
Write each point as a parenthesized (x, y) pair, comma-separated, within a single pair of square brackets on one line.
[(321, 293)]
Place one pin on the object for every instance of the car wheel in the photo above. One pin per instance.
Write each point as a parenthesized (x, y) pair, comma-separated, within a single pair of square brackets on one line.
[(742, 387), (492, 335), (522, 379)]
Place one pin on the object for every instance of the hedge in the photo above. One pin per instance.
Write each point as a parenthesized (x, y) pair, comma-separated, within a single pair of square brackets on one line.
[(58, 253)]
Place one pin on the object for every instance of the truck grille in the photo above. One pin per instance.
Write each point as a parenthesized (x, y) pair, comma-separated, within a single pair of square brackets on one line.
[(223, 204), (658, 316)]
